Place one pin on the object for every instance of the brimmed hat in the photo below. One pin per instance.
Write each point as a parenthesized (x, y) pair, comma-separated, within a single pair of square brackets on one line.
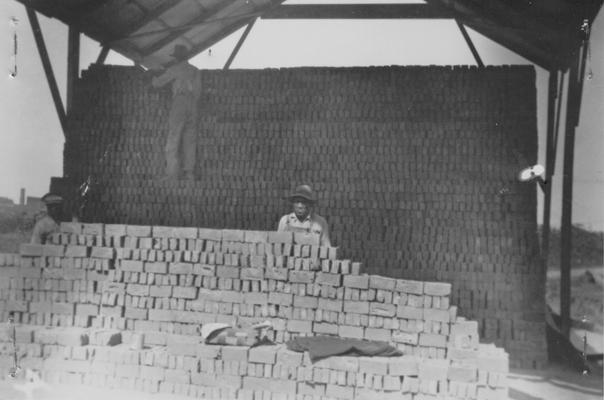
[(180, 52), (51, 198), (303, 191)]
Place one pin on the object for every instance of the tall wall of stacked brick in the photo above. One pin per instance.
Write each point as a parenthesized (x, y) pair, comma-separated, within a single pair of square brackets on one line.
[(415, 170)]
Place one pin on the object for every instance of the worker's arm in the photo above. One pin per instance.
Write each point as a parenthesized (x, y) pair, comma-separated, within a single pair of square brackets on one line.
[(163, 79), (282, 224)]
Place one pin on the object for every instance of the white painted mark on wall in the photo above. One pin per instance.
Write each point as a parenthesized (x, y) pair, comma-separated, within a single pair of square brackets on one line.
[(12, 69)]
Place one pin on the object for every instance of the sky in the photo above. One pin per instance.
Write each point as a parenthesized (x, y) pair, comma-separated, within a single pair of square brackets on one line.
[(31, 140)]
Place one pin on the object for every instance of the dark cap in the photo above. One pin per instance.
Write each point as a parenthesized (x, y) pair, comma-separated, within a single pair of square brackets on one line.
[(304, 192), (180, 52), (51, 198)]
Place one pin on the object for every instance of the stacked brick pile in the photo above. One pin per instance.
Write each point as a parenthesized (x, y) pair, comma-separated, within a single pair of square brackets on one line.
[(415, 169), (83, 298)]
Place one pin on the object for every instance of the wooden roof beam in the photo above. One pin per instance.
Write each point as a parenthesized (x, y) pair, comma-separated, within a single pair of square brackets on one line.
[(358, 11), (177, 32)]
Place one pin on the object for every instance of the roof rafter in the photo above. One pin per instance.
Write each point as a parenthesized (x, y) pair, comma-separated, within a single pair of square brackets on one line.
[(358, 11), (150, 15), (179, 31)]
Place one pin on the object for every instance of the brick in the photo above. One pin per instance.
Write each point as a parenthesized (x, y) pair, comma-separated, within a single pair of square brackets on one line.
[(115, 311), (433, 369), (280, 237), (223, 271), (411, 338), (356, 281), (16, 305), (31, 250), (178, 376), (306, 302), (303, 238), (434, 314), (432, 340), (407, 312), (115, 230), (269, 385), (204, 269), (63, 308), (330, 305), (210, 352), (437, 288), (131, 265), (152, 373), (76, 251), (339, 392), (93, 229), (113, 287), (135, 313), (72, 337), (161, 315), (379, 334), (256, 274), (324, 328), (138, 230), (255, 298), (382, 309), (103, 252), (235, 353), (70, 227), (325, 278), (210, 234), (180, 268), (283, 299), (156, 267), (183, 345), (462, 373), (51, 250), (233, 235), (40, 307), (299, 326), (412, 287), (258, 261), (403, 366), (263, 354), (184, 292), (134, 289), (255, 236), (65, 274), (357, 307), (392, 383), (347, 331), (288, 357), (301, 276), (87, 309), (380, 282), (373, 365), (278, 274)]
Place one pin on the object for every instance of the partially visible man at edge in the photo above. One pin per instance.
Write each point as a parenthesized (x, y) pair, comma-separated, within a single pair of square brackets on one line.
[(303, 219), (49, 223)]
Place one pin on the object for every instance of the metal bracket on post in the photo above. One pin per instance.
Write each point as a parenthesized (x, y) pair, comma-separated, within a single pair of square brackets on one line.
[(470, 44), (50, 76), (248, 28)]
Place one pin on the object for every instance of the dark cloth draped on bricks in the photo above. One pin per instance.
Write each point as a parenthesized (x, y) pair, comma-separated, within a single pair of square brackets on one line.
[(319, 347)]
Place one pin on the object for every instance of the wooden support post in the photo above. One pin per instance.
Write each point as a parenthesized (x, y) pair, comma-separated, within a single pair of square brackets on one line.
[(50, 76), (550, 155), (248, 28), (470, 44), (103, 55), (567, 199), (73, 64)]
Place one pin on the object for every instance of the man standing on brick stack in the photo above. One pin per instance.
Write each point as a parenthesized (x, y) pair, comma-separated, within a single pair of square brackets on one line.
[(182, 121), (302, 219), (49, 223)]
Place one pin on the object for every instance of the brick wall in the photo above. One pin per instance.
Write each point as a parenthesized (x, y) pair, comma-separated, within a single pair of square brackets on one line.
[(80, 300), (414, 167)]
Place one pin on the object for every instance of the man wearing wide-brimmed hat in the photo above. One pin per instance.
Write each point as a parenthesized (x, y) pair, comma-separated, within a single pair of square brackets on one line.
[(49, 223), (182, 121), (303, 219)]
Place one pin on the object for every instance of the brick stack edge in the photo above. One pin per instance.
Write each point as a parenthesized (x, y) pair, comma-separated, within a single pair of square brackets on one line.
[(80, 300), (415, 168)]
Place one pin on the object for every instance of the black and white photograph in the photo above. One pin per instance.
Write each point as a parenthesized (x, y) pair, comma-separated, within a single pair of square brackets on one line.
[(301, 199)]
